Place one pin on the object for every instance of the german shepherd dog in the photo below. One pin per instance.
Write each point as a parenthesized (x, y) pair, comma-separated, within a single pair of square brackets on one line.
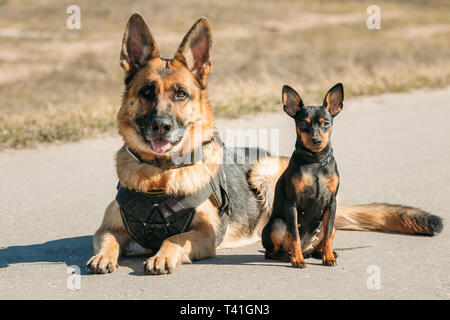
[(164, 100), (304, 208)]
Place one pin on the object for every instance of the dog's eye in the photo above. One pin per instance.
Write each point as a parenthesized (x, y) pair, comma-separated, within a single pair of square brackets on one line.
[(148, 91), (303, 124), (326, 124), (180, 95)]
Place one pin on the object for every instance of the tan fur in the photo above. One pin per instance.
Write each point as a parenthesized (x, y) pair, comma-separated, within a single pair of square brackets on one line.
[(237, 236), (301, 182), (185, 180), (306, 139), (328, 257), (332, 182), (295, 250), (278, 239), (334, 103), (263, 178), (197, 111), (109, 239), (382, 217)]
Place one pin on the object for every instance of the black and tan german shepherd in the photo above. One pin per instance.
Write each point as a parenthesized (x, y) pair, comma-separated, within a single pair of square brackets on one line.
[(164, 100)]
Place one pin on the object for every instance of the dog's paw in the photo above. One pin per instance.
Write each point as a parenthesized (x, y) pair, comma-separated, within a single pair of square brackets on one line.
[(159, 265), (101, 264), (298, 263), (331, 262)]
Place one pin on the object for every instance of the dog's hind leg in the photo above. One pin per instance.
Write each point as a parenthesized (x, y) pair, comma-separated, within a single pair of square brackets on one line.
[(109, 239), (273, 240), (196, 244)]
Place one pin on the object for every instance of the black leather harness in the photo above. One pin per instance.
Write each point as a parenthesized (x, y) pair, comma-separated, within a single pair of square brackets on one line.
[(153, 216)]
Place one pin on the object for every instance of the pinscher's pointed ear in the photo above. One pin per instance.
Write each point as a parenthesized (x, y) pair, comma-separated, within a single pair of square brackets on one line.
[(291, 101), (334, 99), (138, 45), (195, 51)]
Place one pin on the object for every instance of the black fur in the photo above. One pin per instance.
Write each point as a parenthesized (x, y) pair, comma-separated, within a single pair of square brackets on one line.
[(435, 224), (237, 165)]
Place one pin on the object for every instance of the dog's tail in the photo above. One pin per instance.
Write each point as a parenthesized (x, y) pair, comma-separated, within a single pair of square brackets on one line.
[(370, 217), (387, 218), (263, 177)]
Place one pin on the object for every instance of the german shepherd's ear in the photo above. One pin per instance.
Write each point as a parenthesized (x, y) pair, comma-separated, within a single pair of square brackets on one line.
[(291, 101), (138, 46), (334, 99), (195, 51)]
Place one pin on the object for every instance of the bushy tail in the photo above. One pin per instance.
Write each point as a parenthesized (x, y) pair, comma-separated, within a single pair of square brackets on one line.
[(387, 218), (264, 176)]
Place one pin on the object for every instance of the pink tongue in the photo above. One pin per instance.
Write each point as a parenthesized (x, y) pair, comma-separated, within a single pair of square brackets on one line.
[(161, 145)]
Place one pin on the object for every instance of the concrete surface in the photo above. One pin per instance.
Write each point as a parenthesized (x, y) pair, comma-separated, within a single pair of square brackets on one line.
[(391, 148)]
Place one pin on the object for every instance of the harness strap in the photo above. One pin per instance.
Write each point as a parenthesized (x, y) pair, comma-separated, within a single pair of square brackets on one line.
[(153, 216)]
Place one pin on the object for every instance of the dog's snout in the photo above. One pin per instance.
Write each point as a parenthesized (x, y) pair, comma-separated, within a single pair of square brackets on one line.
[(316, 140), (162, 124)]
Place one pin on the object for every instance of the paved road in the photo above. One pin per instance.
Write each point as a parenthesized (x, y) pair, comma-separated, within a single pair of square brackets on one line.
[(392, 148)]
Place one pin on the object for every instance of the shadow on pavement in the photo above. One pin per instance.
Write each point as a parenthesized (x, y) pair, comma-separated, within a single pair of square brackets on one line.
[(77, 250), (71, 251), (258, 259), (136, 262)]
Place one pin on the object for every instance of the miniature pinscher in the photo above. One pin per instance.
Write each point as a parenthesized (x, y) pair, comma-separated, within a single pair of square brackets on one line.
[(304, 208)]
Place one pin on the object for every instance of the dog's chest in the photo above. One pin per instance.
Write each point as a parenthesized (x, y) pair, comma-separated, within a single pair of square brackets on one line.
[(314, 191), (314, 194)]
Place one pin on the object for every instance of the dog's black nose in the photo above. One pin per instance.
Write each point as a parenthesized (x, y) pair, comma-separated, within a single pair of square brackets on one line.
[(162, 124), (316, 141)]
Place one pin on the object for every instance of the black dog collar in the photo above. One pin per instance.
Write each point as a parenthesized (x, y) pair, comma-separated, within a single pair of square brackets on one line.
[(303, 156)]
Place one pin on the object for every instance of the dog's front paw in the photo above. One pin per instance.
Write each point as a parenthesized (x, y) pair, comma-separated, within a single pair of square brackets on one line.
[(102, 264), (159, 265), (298, 263), (331, 262), (169, 256)]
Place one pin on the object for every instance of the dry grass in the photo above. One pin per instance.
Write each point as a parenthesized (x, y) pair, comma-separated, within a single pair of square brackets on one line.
[(59, 84)]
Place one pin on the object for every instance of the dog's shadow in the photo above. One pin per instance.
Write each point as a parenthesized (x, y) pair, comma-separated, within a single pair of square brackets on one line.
[(77, 250), (136, 263), (259, 259), (71, 251)]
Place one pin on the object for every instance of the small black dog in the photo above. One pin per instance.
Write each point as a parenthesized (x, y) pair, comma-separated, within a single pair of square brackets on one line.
[(304, 208)]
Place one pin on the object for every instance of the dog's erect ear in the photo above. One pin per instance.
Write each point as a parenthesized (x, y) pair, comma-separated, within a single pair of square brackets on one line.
[(195, 50), (291, 101), (334, 99), (138, 46)]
